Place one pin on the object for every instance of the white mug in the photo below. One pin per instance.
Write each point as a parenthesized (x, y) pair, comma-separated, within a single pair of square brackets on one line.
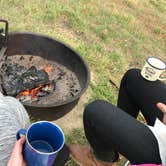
[(153, 69)]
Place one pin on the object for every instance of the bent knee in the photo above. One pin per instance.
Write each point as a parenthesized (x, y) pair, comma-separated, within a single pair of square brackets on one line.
[(97, 108), (132, 73), (132, 76)]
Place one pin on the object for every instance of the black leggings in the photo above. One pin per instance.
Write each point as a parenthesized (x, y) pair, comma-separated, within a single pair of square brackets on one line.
[(110, 129)]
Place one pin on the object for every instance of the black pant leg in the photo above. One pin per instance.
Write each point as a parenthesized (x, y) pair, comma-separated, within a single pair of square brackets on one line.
[(136, 94), (125, 101), (109, 129)]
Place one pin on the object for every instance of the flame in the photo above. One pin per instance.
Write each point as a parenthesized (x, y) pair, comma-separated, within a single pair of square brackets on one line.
[(34, 92), (48, 69), (31, 92)]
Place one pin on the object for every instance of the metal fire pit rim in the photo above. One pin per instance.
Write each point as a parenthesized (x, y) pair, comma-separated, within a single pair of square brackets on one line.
[(79, 56)]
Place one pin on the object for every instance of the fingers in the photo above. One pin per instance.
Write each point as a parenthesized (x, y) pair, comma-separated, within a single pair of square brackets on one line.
[(21, 140), (16, 158), (18, 145), (162, 107)]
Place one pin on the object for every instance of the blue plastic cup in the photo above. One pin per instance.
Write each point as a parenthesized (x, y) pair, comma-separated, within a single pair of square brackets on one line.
[(43, 142)]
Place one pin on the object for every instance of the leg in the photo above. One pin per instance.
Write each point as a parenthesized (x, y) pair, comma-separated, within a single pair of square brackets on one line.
[(13, 116), (136, 94), (109, 129)]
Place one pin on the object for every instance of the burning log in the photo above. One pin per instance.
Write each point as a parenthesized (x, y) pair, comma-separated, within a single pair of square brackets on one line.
[(16, 78), (31, 95)]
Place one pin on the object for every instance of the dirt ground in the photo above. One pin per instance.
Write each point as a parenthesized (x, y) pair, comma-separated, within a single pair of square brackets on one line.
[(73, 119)]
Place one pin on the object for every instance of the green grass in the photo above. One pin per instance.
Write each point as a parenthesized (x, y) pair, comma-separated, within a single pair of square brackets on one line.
[(112, 36), (76, 136)]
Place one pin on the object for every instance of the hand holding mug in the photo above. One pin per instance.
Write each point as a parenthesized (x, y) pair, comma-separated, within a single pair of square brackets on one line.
[(17, 156), (43, 142)]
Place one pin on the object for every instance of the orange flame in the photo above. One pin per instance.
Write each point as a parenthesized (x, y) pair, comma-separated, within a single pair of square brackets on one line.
[(31, 92), (48, 69)]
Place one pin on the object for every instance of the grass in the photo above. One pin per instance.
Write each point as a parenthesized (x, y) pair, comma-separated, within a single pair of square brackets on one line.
[(76, 136), (112, 36)]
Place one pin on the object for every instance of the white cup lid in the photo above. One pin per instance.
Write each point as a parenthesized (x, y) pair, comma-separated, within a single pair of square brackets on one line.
[(157, 63)]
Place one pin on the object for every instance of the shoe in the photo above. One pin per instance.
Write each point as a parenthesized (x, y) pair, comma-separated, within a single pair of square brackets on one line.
[(84, 157)]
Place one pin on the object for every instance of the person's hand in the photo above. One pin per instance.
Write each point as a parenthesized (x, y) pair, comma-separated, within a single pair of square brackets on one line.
[(16, 158), (162, 107)]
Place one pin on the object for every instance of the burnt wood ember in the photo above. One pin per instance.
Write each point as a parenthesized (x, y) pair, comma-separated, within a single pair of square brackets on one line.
[(34, 95), (17, 78)]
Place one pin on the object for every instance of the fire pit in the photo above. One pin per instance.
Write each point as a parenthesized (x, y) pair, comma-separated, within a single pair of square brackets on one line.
[(63, 75)]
